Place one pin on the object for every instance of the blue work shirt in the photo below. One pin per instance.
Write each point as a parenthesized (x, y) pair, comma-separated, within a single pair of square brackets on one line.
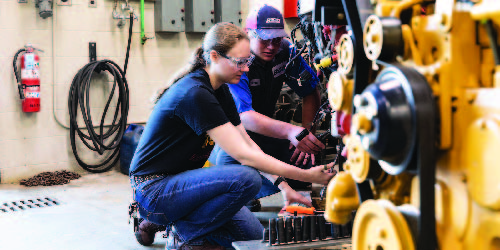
[(260, 87), (175, 139)]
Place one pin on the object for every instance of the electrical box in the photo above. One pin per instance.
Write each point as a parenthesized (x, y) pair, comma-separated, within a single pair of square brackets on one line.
[(200, 15), (306, 6), (329, 12), (169, 16), (228, 11)]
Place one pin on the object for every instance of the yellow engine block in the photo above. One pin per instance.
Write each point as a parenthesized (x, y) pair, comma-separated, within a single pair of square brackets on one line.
[(449, 43)]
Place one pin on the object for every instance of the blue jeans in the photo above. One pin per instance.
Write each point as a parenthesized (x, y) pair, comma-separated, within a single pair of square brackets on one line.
[(204, 204), (277, 148)]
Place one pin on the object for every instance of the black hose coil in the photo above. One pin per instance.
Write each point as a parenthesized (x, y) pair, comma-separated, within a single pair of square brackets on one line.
[(79, 96)]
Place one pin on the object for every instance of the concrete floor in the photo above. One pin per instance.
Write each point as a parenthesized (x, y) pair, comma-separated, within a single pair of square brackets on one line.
[(92, 214)]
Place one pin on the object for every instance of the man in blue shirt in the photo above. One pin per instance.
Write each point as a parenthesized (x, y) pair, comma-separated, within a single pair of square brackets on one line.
[(258, 91)]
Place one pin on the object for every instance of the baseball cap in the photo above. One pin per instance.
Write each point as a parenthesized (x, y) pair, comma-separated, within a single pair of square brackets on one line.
[(267, 22)]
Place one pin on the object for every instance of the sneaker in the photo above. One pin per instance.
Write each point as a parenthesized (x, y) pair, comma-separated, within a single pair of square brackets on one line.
[(147, 230), (175, 243), (254, 205)]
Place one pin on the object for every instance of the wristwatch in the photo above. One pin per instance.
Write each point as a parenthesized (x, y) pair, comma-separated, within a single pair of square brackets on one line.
[(279, 180)]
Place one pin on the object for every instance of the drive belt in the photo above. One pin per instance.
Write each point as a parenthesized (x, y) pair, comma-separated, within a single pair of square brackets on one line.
[(424, 154), (426, 157), (361, 72)]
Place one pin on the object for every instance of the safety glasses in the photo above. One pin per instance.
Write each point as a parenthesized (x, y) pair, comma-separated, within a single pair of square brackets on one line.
[(275, 41), (240, 62)]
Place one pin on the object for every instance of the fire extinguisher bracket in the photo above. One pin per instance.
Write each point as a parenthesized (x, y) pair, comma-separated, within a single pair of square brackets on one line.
[(21, 91)]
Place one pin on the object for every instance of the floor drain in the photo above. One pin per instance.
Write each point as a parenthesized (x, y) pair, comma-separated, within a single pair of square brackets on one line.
[(27, 204)]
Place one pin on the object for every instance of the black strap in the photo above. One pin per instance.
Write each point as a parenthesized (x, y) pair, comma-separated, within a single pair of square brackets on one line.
[(132, 213), (302, 134), (279, 180)]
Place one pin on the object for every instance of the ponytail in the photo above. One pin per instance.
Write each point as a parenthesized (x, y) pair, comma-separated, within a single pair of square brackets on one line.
[(197, 62), (221, 38)]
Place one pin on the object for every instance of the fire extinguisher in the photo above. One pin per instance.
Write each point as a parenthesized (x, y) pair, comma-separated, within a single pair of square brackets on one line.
[(290, 8), (28, 81)]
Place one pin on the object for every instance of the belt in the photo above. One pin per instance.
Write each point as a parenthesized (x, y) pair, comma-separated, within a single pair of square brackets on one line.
[(138, 179)]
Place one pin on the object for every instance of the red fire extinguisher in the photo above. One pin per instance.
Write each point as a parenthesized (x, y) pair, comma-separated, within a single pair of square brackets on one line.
[(28, 82), (290, 8)]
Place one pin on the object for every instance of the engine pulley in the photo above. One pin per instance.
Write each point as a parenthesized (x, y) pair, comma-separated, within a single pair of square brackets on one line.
[(379, 225), (346, 52), (385, 118), (383, 38)]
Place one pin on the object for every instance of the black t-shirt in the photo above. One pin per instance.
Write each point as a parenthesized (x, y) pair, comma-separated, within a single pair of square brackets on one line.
[(175, 139)]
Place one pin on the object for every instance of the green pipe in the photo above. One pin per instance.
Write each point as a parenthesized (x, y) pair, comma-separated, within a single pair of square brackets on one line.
[(143, 36)]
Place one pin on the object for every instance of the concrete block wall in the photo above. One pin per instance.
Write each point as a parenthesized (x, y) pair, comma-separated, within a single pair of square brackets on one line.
[(37, 142)]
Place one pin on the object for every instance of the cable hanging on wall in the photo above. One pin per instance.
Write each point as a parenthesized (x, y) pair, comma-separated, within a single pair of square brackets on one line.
[(107, 137)]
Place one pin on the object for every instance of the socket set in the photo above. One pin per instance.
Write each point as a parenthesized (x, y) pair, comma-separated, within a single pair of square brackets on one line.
[(302, 229)]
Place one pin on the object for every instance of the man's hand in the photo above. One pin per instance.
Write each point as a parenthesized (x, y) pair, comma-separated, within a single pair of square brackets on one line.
[(291, 196), (303, 158), (309, 144)]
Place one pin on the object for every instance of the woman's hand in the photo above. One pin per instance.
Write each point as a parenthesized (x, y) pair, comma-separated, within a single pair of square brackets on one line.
[(291, 196), (319, 175)]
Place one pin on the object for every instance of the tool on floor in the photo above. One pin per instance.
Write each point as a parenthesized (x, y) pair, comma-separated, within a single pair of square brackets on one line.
[(313, 227), (304, 229), (297, 225), (300, 210), (321, 226), (265, 236), (280, 224), (289, 229), (272, 232)]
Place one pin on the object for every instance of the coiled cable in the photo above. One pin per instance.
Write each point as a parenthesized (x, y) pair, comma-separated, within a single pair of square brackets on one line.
[(108, 138)]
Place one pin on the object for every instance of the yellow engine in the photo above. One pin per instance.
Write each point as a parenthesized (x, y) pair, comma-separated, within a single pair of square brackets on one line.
[(426, 129)]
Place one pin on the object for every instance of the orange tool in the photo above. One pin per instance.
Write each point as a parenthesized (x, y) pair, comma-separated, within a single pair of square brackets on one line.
[(300, 210)]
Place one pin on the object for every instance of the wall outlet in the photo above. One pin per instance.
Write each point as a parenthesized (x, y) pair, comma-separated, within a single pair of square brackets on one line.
[(93, 3), (64, 2)]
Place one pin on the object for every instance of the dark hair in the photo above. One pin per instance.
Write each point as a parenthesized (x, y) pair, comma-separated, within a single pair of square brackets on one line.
[(221, 37)]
